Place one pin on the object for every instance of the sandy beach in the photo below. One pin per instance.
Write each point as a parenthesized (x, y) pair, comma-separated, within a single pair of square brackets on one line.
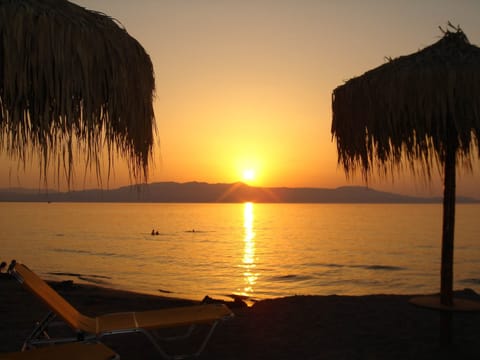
[(297, 327)]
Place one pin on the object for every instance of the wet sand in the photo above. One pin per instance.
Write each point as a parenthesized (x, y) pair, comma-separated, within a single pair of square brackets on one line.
[(297, 327)]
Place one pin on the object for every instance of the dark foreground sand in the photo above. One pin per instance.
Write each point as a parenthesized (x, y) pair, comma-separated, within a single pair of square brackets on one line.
[(299, 327)]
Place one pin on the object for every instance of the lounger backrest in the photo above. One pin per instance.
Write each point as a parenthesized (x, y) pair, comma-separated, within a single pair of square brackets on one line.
[(50, 297)]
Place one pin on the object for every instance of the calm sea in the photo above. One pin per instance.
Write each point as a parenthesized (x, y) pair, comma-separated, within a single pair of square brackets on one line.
[(257, 250)]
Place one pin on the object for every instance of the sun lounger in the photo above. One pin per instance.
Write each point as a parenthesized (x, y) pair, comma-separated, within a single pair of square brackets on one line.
[(94, 328), (71, 351)]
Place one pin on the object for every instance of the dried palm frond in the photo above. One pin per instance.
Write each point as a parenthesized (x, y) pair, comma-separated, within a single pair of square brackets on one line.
[(409, 108), (72, 80)]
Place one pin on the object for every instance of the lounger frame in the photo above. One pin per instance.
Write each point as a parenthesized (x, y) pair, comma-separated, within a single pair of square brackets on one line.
[(82, 325), (39, 336)]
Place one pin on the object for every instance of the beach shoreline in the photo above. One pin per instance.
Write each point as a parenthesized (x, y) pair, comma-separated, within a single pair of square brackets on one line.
[(294, 327)]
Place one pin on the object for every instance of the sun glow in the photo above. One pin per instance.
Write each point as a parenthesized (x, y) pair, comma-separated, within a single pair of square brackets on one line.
[(249, 175), (248, 168)]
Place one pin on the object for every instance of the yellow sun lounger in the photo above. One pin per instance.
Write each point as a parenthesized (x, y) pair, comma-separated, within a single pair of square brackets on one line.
[(71, 351), (94, 328)]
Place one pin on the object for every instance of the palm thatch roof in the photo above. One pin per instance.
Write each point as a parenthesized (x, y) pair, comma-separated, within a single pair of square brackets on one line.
[(408, 108), (72, 81)]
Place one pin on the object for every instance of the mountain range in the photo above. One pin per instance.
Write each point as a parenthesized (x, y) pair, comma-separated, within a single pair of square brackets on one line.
[(200, 192)]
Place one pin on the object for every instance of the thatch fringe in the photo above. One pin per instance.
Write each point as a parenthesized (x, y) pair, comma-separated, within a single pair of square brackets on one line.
[(72, 80), (407, 108)]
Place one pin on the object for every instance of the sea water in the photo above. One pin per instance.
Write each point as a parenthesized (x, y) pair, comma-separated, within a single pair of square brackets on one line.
[(255, 250)]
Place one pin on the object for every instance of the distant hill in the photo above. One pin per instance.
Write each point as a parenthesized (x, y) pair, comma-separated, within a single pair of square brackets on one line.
[(199, 192)]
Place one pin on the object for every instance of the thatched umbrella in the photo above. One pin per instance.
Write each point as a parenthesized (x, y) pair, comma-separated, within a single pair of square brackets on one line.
[(72, 81), (422, 109)]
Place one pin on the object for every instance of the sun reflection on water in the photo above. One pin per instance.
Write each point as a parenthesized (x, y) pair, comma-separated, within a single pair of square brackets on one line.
[(249, 275)]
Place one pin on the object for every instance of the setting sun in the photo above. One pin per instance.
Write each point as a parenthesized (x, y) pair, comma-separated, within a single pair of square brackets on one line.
[(249, 175)]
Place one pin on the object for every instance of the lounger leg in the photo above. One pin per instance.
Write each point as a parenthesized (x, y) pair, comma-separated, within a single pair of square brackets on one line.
[(179, 337), (154, 340), (207, 338), (40, 329), (40, 336), (157, 346)]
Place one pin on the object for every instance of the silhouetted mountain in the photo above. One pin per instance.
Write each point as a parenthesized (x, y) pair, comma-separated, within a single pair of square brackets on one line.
[(198, 192)]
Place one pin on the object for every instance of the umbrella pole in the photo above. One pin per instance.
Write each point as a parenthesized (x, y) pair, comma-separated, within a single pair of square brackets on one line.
[(446, 286)]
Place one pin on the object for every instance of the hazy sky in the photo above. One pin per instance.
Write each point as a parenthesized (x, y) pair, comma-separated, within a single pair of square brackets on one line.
[(247, 84)]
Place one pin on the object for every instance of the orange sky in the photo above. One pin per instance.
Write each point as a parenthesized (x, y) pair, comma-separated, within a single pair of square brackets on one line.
[(247, 84)]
